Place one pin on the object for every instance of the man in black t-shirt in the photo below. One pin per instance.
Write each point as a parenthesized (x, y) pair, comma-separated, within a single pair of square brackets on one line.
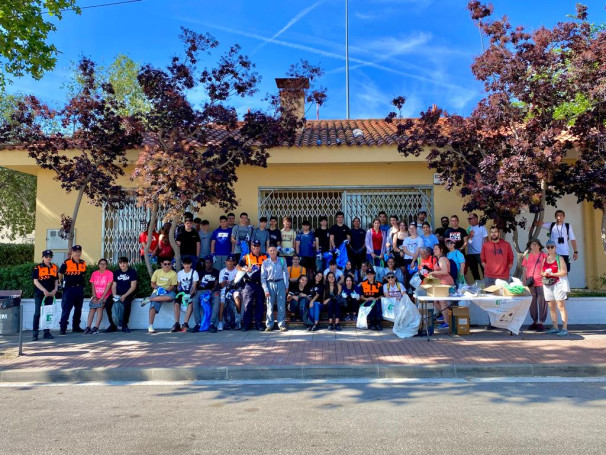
[(275, 235), (323, 236), (188, 241), (339, 232), (357, 248), (46, 283), (123, 288), (442, 229), (456, 233)]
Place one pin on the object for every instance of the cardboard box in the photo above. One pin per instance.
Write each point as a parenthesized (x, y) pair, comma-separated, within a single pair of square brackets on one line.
[(460, 321), (436, 290)]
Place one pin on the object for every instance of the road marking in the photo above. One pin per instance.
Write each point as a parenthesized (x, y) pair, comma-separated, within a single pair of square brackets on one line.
[(353, 381)]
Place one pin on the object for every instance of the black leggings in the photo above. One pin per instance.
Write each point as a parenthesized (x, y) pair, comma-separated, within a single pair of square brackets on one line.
[(334, 309)]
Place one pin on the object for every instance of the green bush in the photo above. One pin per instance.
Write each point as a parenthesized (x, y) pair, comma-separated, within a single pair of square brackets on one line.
[(19, 277), (16, 254)]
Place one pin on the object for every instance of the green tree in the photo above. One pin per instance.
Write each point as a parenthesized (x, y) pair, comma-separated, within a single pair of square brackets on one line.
[(24, 29), (18, 208)]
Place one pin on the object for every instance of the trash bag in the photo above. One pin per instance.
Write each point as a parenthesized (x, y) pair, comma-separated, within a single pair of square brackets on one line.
[(342, 256), (244, 248), (229, 311), (48, 314), (117, 311), (407, 320), (363, 312), (205, 310)]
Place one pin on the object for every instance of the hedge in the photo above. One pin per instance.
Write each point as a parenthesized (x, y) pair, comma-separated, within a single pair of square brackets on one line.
[(16, 254), (19, 277)]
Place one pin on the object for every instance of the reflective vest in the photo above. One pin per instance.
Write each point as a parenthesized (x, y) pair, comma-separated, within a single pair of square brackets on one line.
[(255, 260), (370, 290)]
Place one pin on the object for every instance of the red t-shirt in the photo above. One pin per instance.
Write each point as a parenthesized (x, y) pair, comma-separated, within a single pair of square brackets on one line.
[(154, 242), (532, 264), (377, 240)]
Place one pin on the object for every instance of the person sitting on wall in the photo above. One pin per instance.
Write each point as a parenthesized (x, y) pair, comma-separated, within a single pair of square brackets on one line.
[(163, 282)]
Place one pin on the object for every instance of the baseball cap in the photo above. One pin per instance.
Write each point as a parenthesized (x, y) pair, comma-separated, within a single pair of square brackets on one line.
[(371, 270), (48, 253), (256, 243), (449, 241), (77, 248), (231, 257), (549, 243), (389, 274)]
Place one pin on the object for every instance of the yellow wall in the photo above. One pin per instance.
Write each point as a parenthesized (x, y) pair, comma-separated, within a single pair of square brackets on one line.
[(287, 167)]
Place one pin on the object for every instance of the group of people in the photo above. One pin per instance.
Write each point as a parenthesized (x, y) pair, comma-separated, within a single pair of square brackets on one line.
[(261, 269)]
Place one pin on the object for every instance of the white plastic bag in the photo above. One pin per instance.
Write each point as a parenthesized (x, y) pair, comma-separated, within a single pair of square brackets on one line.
[(408, 319), (363, 312), (389, 308), (47, 315)]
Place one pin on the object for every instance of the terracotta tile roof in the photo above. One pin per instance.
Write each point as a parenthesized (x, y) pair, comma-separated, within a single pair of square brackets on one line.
[(370, 133)]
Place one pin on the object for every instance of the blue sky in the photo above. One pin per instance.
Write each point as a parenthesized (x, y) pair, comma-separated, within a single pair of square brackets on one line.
[(421, 49)]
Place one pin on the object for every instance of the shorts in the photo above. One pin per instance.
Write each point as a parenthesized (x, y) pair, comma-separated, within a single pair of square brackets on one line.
[(157, 305), (556, 292), (94, 306)]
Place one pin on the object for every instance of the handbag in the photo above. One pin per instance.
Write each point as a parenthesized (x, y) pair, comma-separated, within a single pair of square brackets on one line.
[(550, 281), (529, 281), (47, 315)]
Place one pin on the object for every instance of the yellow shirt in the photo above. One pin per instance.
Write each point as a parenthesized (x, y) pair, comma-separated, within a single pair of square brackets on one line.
[(164, 279)]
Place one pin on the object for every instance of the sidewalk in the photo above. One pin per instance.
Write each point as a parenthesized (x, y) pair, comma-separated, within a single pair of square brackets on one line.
[(298, 354)]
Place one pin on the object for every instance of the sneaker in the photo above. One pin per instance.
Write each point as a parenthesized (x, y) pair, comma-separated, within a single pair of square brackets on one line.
[(212, 329), (314, 328), (125, 329), (443, 326), (553, 330), (220, 326), (35, 336), (533, 326), (95, 331), (48, 335), (195, 328), (372, 327), (540, 328), (268, 328), (77, 330), (150, 329), (175, 328), (440, 318), (331, 326), (88, 331), (562, 333), (338, 327), (309, 328), (379, 327), (283, 329), (110, 329), (185, 327), (145, 301)]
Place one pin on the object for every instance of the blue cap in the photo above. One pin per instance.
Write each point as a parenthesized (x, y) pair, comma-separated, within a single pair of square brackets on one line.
[(231, 257), (550, 242), (77, 248), (256, 243), (47, 253)]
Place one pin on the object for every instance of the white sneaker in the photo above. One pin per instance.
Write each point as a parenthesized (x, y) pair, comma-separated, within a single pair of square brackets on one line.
[(145, 301), (220, 326), (150, 329)]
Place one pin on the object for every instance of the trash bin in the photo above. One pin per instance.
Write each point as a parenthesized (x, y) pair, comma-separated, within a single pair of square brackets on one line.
[(10, 322)]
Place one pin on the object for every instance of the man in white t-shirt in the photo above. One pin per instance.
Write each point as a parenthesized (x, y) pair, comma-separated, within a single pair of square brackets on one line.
[(187, 289), (476, 237), (226, 282), (332, 267), (560, 233)]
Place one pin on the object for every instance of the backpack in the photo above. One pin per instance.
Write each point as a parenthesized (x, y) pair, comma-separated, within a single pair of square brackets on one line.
[(454, 270), (551, 229)]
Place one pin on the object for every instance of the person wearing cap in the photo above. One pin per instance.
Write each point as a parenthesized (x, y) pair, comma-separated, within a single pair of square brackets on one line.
[(123, 290), (274, 280), (555, 287), (392, 288), (209, 282), (531, 271), (252, 295), (497, 258), (46, 283), (458, 259), (371, 292), (71, 273)]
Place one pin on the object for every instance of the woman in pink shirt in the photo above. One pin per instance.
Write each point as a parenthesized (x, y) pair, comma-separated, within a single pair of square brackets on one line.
[(533, 265), (102, 281)]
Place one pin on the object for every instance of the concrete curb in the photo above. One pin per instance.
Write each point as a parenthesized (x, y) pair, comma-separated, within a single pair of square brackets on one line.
[(304, 372)]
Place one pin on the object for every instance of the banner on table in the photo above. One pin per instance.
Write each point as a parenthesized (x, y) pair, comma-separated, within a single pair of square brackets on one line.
[(506, 312)]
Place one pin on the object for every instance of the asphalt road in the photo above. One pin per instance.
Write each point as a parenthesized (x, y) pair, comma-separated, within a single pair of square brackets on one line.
[(285, 418)]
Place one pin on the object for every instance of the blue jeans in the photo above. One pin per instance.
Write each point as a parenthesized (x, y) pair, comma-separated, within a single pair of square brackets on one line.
[(315, 311)]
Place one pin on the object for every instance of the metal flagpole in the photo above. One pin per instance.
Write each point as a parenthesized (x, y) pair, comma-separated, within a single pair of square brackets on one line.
[(347, 59)]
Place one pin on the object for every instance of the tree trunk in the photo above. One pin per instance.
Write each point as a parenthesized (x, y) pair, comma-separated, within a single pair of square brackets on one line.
[(150, 231), (173, 243), (72, 229), (603, 231)]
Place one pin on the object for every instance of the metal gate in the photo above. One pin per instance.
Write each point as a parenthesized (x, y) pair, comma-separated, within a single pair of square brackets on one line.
[(363, 202), (121, 229)]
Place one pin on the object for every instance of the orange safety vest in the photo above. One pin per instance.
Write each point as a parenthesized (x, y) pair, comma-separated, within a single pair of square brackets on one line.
[(370, 290), (258, 260), (71, 268), (45, 273)]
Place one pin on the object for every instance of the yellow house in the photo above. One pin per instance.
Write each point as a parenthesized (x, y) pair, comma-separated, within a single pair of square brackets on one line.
[(348, 165)]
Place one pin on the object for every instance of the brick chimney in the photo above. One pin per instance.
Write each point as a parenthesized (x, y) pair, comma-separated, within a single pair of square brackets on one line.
[(292, 93)]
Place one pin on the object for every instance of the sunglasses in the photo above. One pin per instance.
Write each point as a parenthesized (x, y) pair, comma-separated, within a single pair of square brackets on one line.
[(551, 247), (166, 263), (391, 277)]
